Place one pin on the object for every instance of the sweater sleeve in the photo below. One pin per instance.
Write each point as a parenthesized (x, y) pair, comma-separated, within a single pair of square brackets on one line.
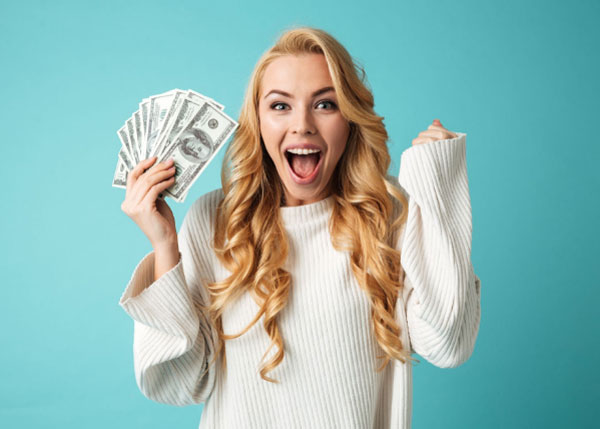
[(173, 341), (442, 292)]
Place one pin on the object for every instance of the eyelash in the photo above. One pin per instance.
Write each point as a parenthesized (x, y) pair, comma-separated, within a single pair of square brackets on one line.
[(322, 101)]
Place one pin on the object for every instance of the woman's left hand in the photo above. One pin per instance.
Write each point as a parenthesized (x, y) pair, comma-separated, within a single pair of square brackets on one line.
[(436, 131)]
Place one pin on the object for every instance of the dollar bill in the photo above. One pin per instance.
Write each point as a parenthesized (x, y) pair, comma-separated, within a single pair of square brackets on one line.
[(195, 146), (144, 109), (181, 114), (159, 106), (126, 145), (139, 136), (132, 140), (120, 176), (199, 98), (184, 125), (129, 165), (162, 195), (185, 112), (169, 118), (183, 109)]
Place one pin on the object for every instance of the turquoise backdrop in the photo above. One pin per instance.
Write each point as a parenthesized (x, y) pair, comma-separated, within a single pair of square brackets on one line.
[(519, 77)]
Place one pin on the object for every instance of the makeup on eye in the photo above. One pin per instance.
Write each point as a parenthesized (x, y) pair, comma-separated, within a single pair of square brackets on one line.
[(332, 103)]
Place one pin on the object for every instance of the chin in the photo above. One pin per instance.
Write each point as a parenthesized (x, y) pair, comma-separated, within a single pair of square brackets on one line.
[(305, 195)]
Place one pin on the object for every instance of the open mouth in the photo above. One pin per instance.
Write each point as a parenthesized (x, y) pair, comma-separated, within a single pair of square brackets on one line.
[(303, 162)]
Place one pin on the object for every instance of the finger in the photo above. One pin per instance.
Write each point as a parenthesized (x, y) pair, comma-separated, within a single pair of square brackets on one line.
[(421, 140), (161, 166), (439, 134), (156, 189), (148, 181), (137, 170), (437, 125)]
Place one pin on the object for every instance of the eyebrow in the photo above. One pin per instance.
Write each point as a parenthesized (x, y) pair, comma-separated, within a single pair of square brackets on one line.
[(286, 94)]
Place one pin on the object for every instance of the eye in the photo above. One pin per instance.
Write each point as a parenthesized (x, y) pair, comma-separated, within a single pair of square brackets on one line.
[(274, 105), (327, 102)]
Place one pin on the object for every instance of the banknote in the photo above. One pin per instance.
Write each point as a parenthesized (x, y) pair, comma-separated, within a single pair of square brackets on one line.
[(159, 106), (139, 137), (122, 133), (184, 125), (132, 140), (171, 113), (129, 165), (195, 146), (199, 98), (120, 177), (144, 108), (185, 112)]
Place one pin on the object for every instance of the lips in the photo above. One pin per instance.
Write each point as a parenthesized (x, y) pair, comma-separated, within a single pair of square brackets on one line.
[(308, 179)]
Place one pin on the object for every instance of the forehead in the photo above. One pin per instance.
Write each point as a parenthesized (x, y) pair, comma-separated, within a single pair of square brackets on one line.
[(296, 72)]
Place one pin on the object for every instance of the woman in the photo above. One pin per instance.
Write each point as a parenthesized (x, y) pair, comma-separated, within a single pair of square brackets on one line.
[(295, 263)]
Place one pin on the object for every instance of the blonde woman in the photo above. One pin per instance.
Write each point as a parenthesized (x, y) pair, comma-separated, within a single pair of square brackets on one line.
[(294, 296)]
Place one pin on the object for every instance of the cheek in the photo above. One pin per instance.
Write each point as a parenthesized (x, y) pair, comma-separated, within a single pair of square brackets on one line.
[(269, 128), (270, 119), (337, 137), (270, 134)]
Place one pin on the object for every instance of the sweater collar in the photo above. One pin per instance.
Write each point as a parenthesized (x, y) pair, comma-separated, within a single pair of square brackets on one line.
[(317, 212)]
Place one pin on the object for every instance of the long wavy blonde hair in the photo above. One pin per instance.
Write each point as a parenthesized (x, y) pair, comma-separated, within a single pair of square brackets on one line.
[(250, 240)]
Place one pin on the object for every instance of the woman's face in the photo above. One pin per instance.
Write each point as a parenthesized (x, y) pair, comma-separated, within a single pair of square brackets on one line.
[(298, 107)]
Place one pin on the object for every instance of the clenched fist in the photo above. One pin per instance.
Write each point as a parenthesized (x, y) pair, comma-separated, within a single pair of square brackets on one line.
[(152, 214), (435, 132)]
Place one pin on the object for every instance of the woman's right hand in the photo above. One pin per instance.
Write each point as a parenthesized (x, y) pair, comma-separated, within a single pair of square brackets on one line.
[(152, 214)]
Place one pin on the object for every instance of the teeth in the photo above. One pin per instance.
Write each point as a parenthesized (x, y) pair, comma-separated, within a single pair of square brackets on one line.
[(303, 151)]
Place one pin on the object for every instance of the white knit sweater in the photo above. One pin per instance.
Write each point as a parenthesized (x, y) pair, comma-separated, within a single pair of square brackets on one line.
[(328, 376)]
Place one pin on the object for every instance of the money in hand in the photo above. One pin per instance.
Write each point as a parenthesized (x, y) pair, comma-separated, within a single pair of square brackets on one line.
[(185, 126)]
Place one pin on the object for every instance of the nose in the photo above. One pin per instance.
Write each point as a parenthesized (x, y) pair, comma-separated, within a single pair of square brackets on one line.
[(303, 122)]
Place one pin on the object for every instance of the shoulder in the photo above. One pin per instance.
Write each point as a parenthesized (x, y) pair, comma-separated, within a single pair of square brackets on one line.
[(202, 212), (207, 203)]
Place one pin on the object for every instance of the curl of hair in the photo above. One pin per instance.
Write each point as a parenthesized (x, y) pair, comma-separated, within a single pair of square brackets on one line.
[(250, 240)]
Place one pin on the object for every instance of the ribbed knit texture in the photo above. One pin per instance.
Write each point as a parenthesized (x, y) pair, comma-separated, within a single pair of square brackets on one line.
[(328, 376)]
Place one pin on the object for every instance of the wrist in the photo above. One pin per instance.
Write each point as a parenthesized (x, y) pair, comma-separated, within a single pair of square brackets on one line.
[(166, 256), (166, 247)]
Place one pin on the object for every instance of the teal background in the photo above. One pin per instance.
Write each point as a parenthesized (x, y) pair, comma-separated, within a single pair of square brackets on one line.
[(519, 77)]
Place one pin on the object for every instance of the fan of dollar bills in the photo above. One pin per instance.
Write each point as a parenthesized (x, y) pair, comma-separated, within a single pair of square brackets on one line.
[(186, 126)]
